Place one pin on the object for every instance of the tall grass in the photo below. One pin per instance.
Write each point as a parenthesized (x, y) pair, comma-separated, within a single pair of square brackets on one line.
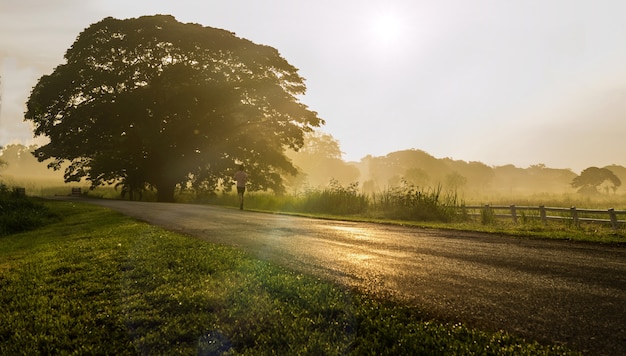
[(409, 202), (429, 207), (598, 201), (335, 199)]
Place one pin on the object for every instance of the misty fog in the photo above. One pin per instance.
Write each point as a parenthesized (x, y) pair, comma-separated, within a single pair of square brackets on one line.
[(319, 162)]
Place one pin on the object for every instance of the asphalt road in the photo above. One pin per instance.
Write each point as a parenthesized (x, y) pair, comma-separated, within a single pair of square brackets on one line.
[(550, 291)]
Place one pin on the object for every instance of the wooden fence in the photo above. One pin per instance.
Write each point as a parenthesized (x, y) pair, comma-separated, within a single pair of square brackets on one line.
[(573, 214)]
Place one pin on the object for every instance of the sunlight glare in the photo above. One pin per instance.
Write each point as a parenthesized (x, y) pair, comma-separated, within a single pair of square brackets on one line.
[(387, 27)]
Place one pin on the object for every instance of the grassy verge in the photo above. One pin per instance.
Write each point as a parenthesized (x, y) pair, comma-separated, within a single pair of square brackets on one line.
[(19, 213), (409, 205), (102, 283), (589, 232)]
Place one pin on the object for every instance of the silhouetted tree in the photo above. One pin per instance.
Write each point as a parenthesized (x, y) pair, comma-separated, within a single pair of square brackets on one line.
[(321, 144), (591, 178), (619, 171), (156, 102), (414, 165), (19, 160), (2, 162), (417, 176), (455, 181), (319, 161), (16, 156)]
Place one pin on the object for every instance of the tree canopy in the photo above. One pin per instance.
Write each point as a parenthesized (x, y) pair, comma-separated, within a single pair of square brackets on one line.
[(154, 102), (319, 162), (591, 178)]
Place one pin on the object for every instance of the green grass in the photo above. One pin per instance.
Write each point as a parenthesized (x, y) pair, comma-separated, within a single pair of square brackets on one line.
[(102, 283), (415, 206), (19, 213), (526, 227)]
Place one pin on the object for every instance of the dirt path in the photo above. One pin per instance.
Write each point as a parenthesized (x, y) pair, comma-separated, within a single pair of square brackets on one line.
[(551, 291)]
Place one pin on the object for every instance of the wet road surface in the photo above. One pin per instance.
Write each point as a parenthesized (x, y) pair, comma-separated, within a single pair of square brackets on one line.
[(550, 291)]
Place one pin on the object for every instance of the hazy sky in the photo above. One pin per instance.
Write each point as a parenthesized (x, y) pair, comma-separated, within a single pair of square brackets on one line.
[(517, 81)]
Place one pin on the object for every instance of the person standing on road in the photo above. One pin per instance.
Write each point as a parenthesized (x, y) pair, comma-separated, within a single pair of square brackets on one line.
[(241, 178)]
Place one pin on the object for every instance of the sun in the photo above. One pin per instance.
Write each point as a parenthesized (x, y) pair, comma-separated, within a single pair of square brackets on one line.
[(387, 27)]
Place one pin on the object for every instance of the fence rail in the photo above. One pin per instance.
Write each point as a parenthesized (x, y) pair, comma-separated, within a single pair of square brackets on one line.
[(547, 213)]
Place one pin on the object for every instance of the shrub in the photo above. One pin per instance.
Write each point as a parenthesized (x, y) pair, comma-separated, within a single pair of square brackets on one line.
[(408, 202), (19, 213), (335, 199), (487, 216)]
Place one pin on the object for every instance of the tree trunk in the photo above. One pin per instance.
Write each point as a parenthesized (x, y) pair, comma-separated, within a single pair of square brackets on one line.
[(165, 181), (165, 193)]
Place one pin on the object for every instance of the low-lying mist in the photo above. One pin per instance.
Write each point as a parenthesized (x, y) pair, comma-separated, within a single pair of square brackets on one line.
[(320, 165), (472, 182)]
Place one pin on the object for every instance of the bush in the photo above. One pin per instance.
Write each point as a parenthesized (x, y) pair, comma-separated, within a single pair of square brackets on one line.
[(487, 216), (335, 199), (408, 202), (19, 213)]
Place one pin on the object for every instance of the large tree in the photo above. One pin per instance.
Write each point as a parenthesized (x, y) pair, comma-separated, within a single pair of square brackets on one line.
[(319, 162), (593, 177), (152, 101)]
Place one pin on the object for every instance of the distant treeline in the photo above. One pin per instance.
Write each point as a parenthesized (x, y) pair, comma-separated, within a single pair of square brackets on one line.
[(18, 163), (474, 178), (319, 163)]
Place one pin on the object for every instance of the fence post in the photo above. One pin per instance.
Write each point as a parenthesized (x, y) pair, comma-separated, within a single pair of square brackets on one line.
[(574, 216), (514, 214), (613, 218), (542, 213)]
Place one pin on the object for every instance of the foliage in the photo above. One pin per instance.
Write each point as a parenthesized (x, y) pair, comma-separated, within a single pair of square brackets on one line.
[(487, 216), (20, 213), (409, 202), (18, 158), (111, 285), (317, 160), (591, 178), (335, 199), (422, 169), (456, 216), (154, 102), (23, 169), (321, 144), (3, 163)]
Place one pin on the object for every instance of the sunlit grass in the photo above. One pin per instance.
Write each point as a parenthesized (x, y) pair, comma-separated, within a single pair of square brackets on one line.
[(408, 202), (19, 213), (102, 283), (409, 205), (432, 208), (599, 201)]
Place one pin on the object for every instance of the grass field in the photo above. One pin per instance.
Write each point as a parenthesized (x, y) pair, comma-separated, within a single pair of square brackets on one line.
[(101, 283)]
